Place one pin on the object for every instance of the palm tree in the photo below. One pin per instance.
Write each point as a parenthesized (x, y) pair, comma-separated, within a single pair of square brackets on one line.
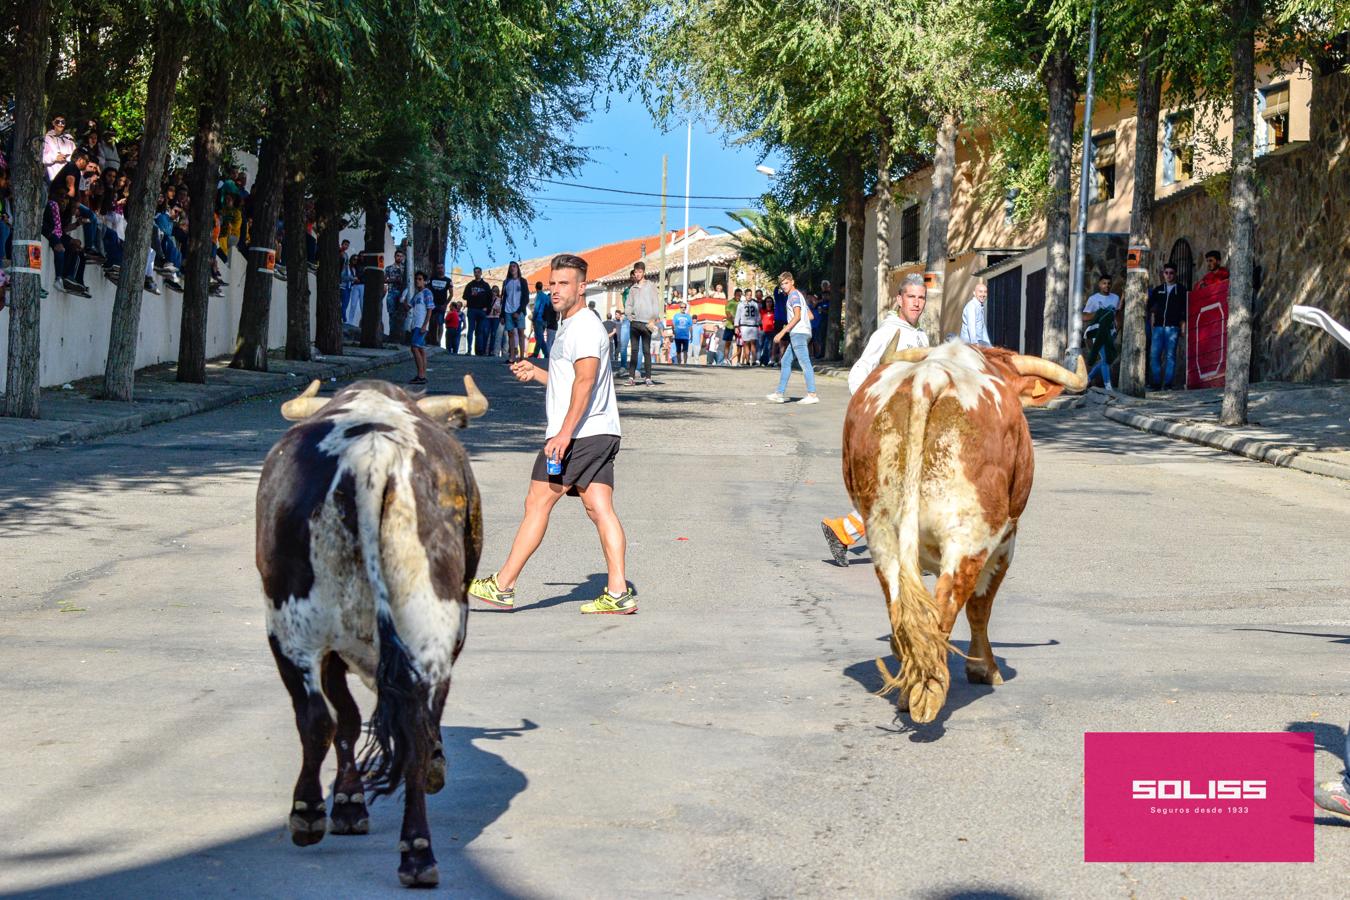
[(775, 241)]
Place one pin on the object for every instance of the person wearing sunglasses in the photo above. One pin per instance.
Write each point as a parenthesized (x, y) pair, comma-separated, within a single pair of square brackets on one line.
[(58, 147)]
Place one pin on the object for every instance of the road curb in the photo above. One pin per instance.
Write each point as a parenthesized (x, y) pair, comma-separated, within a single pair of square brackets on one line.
[(54, 432), (1220, 439)]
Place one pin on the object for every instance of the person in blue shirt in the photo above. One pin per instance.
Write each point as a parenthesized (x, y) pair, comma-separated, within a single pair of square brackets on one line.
[(542, 306), (681, 325)]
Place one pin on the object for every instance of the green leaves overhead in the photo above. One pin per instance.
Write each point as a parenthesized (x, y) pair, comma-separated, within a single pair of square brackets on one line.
[(780, 242)]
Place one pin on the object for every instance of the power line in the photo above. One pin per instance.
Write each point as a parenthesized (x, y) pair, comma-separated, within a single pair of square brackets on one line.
[(590, 187), (619, 203)]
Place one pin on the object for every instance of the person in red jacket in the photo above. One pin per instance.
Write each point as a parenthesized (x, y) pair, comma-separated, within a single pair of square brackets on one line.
[(1214, 270)]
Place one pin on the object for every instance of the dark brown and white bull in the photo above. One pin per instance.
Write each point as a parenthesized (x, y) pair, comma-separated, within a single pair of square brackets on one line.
[(938, 459), (368, 533)]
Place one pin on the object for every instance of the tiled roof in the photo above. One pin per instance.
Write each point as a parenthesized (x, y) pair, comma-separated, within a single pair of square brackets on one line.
[(601, 260), (712, 248)]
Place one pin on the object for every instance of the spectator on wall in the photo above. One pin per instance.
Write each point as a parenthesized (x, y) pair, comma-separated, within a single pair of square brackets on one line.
[(58, 147)]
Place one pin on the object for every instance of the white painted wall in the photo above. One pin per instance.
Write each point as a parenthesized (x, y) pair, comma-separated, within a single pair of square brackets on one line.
[(74, 342)]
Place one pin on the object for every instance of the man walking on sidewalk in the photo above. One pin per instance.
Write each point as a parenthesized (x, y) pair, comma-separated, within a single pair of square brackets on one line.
[(582, 442), (1166, 319), (644, 315)]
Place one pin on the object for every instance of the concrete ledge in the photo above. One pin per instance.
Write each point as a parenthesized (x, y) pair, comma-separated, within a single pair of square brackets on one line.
[(68, 417), (1221, 439)]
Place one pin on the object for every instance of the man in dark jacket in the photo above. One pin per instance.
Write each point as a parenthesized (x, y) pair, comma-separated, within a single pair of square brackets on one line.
[(1167, 325), (478, 300)]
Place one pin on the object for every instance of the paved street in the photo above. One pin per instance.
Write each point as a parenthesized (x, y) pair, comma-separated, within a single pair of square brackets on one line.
[(724, 741)]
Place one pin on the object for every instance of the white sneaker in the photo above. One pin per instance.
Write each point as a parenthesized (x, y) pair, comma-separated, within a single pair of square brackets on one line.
[(776, 398), (809, 398)]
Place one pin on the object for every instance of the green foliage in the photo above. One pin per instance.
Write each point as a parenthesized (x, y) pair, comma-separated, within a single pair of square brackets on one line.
[(776, 241)]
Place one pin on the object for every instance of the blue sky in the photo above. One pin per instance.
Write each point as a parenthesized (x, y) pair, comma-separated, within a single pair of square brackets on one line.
[(625, 147)]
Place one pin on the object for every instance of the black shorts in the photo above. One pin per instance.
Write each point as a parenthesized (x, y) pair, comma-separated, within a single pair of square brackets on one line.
[(728, 334), (682, 345), (588, 461)]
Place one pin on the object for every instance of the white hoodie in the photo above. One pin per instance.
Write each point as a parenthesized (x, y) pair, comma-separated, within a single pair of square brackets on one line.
[(879, 343)]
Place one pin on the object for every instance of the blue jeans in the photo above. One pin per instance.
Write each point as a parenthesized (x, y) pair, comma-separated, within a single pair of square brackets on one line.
[(797, 348), (1104, 368), (766, 346), (478, 331), (540, 338), (5, 232), (1163, 335), (625, 335), (493, 326), (391, 305), (453, 342)]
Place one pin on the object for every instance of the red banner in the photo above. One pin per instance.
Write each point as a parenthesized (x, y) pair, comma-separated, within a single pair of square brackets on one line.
[(1207, 336)]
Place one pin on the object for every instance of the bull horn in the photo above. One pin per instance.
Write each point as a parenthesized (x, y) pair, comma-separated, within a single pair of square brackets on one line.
[(305, 405), (912, 354), (1034, 365), (442, 406)]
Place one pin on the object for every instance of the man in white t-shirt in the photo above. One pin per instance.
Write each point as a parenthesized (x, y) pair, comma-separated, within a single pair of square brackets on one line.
[(902, 322), (582, 440), (1099, 331), (418, 313)]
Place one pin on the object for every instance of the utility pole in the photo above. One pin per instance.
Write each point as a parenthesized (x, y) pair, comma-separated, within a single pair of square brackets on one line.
[(688, 148), (1080, 252), (661, 279)]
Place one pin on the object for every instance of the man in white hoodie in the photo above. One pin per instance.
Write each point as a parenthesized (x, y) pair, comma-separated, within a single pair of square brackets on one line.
[(902, 322)]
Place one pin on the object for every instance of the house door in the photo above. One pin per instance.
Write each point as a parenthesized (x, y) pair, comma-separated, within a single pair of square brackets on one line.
[(1035, 328), (1005, 309)]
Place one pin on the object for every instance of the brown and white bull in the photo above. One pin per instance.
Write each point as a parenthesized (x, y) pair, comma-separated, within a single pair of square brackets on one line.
[(368, 533), (938, 459)]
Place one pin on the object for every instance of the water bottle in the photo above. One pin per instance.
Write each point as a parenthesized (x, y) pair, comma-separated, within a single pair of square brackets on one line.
[(554, 464)]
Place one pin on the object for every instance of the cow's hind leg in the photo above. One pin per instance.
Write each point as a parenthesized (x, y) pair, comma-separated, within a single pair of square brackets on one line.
[(309, 816), (981, 667), (436, 763), (417, 862), (350, 815)]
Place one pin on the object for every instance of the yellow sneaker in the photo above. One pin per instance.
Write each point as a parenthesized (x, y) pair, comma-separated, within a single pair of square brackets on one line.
[(487, 590), (607, 604)]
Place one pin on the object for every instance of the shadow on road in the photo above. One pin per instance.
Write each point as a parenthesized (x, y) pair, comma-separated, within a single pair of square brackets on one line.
[(1332, 638), (961, 694), (480, 788)]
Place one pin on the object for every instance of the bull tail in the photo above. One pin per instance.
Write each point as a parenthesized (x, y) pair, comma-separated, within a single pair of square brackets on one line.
[(916, 631), (399, 734)]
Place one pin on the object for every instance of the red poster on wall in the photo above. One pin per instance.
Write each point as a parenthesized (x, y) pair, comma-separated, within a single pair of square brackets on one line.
[(1207, 336)]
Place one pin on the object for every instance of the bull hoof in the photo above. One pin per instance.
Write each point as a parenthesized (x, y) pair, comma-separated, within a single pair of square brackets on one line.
[(435, 774), (308, 823), (983, 675), (350, 815), (926, 699), (417, 864)]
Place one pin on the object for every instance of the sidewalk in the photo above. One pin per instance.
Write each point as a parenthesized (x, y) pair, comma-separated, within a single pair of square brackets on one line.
[(1298, 426), (74, 415)]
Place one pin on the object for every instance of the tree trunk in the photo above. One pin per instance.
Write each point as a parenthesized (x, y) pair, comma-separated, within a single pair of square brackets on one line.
[(855, 214), (939, 217), (297, 266), (372, 276), (424, 247), (838, 273), (327, 284), (202, 175), (1242, 201), (442, 234), (250, 349), (1062, 94), (878, 302), (119, 375), (22, 379), (1134, 326)]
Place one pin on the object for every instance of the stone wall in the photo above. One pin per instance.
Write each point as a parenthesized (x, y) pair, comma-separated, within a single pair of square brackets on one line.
[(1302, 239)]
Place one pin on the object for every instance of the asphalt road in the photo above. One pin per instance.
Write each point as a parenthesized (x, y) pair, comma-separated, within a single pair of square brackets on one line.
[(722, 742)]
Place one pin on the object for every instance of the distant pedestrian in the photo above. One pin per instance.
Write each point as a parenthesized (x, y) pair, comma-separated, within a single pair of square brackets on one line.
[(797, 331), (494, 320), (395, 282), (820, 323), (644, 312), (681, 329), (1101, 316), (478, 303), (747, 324), (454, 324), (442, 290), (975, 318), (766, 326), (540, 308), (419, 309), (515, 299), (725, 357), (1167, 323), (582, 441)]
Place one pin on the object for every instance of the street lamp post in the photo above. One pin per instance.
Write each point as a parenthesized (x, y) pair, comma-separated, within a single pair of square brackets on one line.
[(688, 148)]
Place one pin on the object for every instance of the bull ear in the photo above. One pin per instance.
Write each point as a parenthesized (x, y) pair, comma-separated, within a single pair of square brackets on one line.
[(1036, 391), (305, 405)]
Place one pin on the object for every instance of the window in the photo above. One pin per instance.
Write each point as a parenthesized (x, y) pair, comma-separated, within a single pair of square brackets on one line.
[(1273, 105), (1104, 166), (1178, 150), (909, 233), (1184, 261)]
